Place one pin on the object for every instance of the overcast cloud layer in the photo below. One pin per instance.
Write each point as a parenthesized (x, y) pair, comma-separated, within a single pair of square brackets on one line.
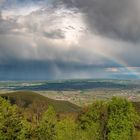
[(44, 39)]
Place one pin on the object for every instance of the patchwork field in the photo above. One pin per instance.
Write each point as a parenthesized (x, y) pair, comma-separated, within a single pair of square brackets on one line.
[(79, 92)]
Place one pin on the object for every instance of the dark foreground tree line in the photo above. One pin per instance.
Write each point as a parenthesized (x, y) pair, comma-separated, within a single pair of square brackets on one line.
[(103, 120)]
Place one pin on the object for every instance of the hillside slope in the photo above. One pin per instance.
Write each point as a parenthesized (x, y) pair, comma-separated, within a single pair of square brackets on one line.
[(27, 99)]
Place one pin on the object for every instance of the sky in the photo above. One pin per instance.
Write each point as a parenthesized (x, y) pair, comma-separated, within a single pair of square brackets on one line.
[(69, 39)]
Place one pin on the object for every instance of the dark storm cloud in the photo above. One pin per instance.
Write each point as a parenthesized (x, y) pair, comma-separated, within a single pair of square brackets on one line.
[(41, 70), (113, 18), (44, 39)]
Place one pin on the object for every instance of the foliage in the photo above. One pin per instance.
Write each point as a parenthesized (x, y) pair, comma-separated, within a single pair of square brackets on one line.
[(103, 120), (46, 129), (121, 119), (66, 129), (34, 105), (11, 125), (94, 120)]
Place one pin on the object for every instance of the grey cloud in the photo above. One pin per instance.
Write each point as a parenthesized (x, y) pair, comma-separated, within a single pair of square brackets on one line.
[(55, 34), (77, 40), (34, 47), (1, 2), (112, 18), (116, 19), (48, 21), (6, 26), (25, 35)]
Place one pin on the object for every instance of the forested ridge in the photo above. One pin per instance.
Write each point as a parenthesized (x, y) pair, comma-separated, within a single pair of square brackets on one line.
[(114, 119)]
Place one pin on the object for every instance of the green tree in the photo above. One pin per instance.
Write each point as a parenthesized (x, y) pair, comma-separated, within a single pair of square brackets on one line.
[(66, 129), (93, 120), (27, 132), (46, 130), (11, 125), (121, 119)]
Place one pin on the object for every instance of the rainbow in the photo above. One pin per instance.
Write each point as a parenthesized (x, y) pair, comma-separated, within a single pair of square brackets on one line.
[(121, 63)]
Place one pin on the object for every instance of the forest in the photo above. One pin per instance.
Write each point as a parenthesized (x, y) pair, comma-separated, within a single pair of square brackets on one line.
[(114, 119)]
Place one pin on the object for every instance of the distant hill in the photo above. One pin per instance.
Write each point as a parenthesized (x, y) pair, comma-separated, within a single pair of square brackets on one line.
[(26, 99), (35, 104), (66, 85)]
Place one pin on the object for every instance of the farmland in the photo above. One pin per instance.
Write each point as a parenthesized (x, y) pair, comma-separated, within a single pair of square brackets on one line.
[(79, 92)]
